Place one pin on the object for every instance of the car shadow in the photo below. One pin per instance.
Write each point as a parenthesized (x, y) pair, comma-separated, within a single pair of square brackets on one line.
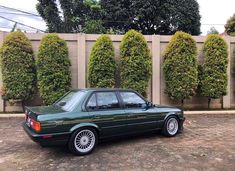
[(62, 150)]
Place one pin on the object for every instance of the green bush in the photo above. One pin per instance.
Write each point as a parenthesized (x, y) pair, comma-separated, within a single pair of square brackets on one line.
[(180, 67), (214, 77), (54, 77), (18, 67), (102, 65), (136, 63), (230, 26)]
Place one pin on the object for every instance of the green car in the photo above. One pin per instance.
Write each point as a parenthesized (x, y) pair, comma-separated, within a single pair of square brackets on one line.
[(83, 117)]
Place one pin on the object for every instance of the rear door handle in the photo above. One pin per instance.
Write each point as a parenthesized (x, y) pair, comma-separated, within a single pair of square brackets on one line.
[(131, 116), (97, 117)]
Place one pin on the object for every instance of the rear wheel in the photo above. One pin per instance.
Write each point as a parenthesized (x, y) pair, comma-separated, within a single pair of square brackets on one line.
[(83, 141), (171, 126)]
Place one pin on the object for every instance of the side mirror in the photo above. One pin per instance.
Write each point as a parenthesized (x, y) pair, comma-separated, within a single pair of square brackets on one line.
[(148, 105)]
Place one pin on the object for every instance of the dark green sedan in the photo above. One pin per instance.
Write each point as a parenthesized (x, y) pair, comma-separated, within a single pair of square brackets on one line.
[(83, 117)]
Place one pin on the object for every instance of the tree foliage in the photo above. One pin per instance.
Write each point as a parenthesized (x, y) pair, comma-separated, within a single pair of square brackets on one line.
[(136, 64), (54, 77), (102, 65), (94, 27), (230, 26), (152, 16), (18, 67), (180, 67), (212, 31), (148, 17), (214, 78), (74, 16)]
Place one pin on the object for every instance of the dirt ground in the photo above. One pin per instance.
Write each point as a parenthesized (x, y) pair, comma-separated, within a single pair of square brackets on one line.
[(207, 143)]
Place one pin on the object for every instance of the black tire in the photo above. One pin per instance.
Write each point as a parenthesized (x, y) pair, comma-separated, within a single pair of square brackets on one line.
[(79, 134), (166, 131)]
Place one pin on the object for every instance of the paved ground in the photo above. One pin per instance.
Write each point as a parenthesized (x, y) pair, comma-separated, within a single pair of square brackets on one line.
[(207, 143)]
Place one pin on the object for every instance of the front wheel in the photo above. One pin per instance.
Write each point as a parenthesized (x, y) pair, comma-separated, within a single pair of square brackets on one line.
[(171, 126), (83, 141)]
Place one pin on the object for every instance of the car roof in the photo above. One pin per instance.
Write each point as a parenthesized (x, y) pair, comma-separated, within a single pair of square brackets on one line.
[(102, 89)]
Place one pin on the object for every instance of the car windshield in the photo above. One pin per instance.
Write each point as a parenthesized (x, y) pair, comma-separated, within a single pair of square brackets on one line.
[(69, 101)]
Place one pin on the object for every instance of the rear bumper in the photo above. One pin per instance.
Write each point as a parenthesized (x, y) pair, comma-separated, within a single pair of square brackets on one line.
[(47, 139)]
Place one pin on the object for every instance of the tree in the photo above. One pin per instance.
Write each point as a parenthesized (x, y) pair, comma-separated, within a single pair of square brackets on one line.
[(136, 64), (54, 77), (94, 27), (102, 65), (152, 16), (214, 78), (74, 15), (230, 26), (212, 31), (50, 13), (117, 15), (18, 67), (180, 67)]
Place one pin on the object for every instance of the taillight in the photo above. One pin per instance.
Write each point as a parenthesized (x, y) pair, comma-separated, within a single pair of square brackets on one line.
[(35, 125)]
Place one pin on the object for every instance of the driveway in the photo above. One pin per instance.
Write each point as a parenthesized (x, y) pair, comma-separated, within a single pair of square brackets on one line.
[(207, 143)]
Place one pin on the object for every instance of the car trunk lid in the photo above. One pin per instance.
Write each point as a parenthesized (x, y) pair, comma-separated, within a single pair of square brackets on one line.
[(33, 112)]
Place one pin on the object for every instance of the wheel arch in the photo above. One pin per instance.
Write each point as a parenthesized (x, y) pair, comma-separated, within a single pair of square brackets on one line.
[(171, 114), (85, 125)]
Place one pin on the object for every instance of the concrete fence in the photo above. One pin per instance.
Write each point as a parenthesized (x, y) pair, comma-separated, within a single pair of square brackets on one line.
[(79, 51)]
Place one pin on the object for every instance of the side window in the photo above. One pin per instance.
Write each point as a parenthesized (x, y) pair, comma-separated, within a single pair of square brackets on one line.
[(132, 100), (91, 105), (107, 100)]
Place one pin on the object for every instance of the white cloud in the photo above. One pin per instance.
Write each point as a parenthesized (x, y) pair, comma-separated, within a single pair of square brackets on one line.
[(215, 13)]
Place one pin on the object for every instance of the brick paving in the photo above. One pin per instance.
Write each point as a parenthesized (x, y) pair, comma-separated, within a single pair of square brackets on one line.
[(207, 143)]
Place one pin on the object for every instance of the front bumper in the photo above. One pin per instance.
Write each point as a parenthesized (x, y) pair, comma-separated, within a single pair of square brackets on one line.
[(47, 139), (181, 124)]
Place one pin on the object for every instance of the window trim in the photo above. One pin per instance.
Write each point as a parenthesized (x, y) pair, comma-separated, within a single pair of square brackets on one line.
[(97, 109)]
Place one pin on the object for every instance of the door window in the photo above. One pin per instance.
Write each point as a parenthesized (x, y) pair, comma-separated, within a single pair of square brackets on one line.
[(104, 101), (107, 100), (132, 100)]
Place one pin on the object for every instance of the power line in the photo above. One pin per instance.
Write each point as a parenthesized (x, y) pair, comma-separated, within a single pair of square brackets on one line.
[(15, 13), (9, 8), (21, 24)]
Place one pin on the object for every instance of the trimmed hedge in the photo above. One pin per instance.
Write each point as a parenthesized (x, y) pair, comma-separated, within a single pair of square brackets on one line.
[(214, 78), (54, 77), (18, 67), (180, 67), (136, 63), (102, 65)]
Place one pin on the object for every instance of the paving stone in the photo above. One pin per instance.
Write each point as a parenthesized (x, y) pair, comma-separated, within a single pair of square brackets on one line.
[(207, 143)]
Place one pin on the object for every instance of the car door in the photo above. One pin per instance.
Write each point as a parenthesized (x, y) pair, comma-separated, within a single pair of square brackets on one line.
[(139, 117), (107, 113)]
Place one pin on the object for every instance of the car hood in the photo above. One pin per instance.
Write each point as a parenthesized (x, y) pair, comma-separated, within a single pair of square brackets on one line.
[(40, 110)]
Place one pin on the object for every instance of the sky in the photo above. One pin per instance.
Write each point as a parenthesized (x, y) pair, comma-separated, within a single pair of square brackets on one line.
[(213, 13)]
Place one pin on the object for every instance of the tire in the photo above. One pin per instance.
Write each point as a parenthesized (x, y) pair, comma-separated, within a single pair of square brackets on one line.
[(83, 141), (171, 126)]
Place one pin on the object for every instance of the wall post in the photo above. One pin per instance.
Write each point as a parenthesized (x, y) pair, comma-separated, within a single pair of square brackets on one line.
[(156, 69), (81, 54), (227, 98), (1, 83)]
